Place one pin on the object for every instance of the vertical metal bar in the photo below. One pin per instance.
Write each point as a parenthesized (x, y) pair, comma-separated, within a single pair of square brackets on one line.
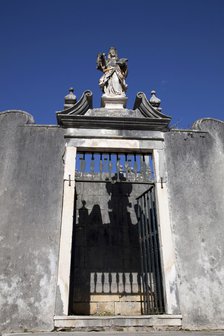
[(129, 169), (159, 289), (118, 282), (144, 254), (110, 166), (151, 166), (147, 256), (135, 167), (118, 167), (141, 250), (110, 281), (147, 167), (131, 282), (105, 162), (126, 165), (101, 165), (95, 281), (82, 163), (143, 167), (92, 166), (152, 251), (102, 281)]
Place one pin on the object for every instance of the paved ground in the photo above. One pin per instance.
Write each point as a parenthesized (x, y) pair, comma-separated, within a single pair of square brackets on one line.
[(113, 333)]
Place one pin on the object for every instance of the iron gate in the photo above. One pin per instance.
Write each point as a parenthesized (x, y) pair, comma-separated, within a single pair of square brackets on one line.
[(125, 176), (151, 276)]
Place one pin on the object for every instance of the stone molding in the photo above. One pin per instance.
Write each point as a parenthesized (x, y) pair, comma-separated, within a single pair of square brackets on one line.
[(144, 116)]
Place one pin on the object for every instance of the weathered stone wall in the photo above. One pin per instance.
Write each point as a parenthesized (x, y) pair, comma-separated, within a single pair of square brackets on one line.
[(195, 162), (31, 186), (31, 182)]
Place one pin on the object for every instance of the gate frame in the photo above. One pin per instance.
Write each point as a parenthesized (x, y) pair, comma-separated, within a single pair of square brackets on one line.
[(148, 145), (149, 236)]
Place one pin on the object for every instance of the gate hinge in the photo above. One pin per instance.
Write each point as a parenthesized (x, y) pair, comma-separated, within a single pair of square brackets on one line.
[(161, 181), (69, 180)]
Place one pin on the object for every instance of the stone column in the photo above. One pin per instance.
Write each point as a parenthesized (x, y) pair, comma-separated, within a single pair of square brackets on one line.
[(63, 286), (165, 234)]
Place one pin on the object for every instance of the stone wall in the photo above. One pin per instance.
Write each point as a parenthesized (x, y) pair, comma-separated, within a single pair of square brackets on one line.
[(195, 162), (31, 187), (31, 183)]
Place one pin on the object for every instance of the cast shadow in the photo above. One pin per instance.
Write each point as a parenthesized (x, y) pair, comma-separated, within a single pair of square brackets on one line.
[(105, 253)]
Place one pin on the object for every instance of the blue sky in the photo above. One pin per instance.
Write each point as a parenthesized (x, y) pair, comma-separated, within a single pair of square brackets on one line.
[(173, 46)]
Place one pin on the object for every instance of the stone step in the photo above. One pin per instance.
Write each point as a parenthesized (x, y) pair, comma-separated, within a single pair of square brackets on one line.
[(111, 333), (118, 322)]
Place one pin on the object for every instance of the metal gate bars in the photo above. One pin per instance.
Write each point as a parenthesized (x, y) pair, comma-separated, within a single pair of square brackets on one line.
[(151, 276), (114, 167)]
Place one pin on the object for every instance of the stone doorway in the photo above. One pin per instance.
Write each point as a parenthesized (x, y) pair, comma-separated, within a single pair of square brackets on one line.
[(107, 275)]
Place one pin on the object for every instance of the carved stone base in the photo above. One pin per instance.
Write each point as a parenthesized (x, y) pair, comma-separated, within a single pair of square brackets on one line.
[(117, 102)]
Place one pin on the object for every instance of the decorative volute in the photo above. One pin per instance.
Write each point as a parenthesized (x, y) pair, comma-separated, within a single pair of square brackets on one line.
[(70, 99)]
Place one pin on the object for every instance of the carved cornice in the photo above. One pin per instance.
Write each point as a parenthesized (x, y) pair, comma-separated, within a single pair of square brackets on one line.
[(89, 122), (144, 116)]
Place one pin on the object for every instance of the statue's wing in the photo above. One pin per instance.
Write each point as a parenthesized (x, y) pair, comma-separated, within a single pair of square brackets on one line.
[(122, 60), (101, 61), (98, 61), (123, 65)]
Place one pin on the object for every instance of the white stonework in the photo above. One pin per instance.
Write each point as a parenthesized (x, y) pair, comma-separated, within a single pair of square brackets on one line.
[(167, 250), (166, 243), (67, 228), (112, 322), (103, 144), (117, 102)]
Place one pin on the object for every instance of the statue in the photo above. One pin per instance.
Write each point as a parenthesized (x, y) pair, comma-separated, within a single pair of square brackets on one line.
[(115, 71)]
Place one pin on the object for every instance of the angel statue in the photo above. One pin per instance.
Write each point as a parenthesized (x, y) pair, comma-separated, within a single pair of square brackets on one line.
[(115, 71)]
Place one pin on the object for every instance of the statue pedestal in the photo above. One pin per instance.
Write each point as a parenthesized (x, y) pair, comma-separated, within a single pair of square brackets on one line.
[(116, 102)]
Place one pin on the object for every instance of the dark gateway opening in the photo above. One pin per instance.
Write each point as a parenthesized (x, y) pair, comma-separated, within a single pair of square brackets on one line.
[(112, 268)]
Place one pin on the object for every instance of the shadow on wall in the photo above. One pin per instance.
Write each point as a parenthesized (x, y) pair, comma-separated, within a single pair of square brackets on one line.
[(105, 253)]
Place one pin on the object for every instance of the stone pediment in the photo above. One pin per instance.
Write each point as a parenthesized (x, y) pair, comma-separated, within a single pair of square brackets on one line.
[(143, 115)]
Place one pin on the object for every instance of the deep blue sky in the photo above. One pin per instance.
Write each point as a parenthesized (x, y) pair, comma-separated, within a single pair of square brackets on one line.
[(173, 46)]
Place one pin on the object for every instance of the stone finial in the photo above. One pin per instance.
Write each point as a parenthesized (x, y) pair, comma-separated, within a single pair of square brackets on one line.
[(70, 99), (155, 101)]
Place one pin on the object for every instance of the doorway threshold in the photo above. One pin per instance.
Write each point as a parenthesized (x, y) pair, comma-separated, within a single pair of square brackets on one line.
[(118, 322)]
